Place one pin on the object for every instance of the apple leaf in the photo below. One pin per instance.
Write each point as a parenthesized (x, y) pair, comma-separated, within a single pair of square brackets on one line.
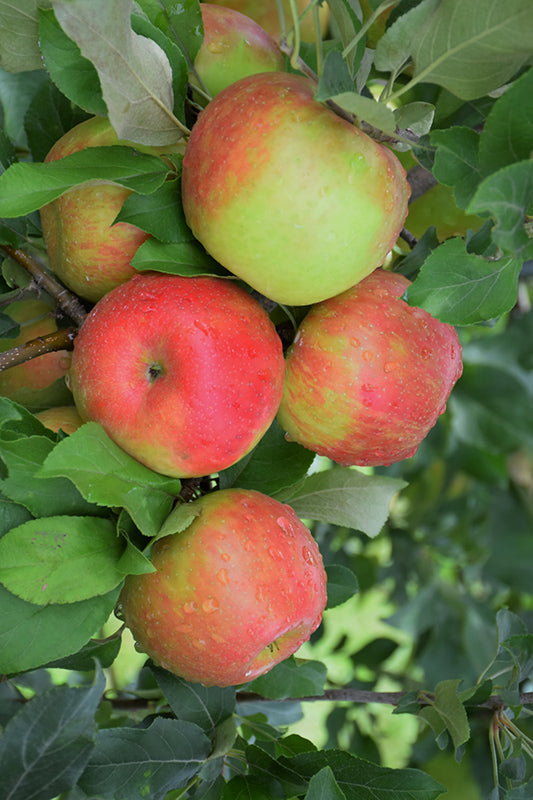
[(461, 288), (335, 77), (19, 39), (145, 762), (106, 475), (179, 21), (342, 584), (394, 48), (52, 737), (133, 561), (415, 117), (508, 130), (456, 161), (347, 497), (177, 258), (179, 519), (32, 635), (372, 112), (26, 187), (292, 677), (73, 74), (16, 93), (346, 19), (134, 71), (507, 196), (159, 213), (273, 465), (447, 712), (323, 784), (61, 559)]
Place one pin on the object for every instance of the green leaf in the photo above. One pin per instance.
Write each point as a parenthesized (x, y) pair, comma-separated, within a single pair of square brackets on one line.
[(461, 288), (205, 706), (179, 21), (73, 74), (507, 196), (103, 651), (134, 71), (61, 559), (44, 497), (377, 114), (456, 161), (394, 48), (508, 130), (16, 93), (26, 187), (471, 48), (179, 519), (345, 496), (177, 258), (32, 635), (134, 562), (106, 475), (291, 678), (416, 117), (451, 711), (342, 584), (335, 78), (19, 38), (323, 784), (11, 515), (139, 763), (160, 213), (45, 747), (273, 465)]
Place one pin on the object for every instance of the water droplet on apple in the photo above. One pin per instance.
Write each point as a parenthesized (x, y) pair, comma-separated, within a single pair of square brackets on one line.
[(201, 327), (390, 366), (248, 546), (190, 608), (367, 356), (225, 557), (426, 353), (222, 577), (210, 605), (354, 342), (199, 644), (285, 525), (277, 555), (307, 555)]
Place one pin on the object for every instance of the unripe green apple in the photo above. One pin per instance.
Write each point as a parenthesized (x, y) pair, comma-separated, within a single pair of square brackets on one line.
[(234, 594), (65, 418), (287, 195), (233, 47), (185, 374), (368, 375), (87, 252), (40, 382), (265, 12)]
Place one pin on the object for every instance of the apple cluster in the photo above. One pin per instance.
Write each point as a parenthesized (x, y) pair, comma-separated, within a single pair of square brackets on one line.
[(186, 374)]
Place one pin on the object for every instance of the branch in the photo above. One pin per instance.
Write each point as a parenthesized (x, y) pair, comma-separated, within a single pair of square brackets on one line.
[(67, 302), (59, 340)]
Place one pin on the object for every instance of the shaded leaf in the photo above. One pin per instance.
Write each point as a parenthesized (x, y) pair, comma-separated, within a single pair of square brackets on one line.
[(291, 678), (177, 258), (323, 784), (159, 213), (456, 161), (450, 710), (342, 584), (19, 39)]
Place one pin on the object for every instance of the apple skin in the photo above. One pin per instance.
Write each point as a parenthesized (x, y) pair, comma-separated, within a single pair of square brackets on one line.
[(287, 195), (368, 375), (86, 251), (65, 418), (40, 382), (234, 594), (265, 12), (234, 47), (185, 374)]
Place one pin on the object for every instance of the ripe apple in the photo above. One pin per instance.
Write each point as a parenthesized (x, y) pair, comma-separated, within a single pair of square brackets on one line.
[(65, 418), (233, 47), (368, 375), (87, 252), (265, 12), (234, 594), (185, 374), (287, 195), (40, 382)]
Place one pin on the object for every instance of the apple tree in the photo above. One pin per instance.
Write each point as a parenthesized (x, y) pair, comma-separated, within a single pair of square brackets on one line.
[(417, 683)]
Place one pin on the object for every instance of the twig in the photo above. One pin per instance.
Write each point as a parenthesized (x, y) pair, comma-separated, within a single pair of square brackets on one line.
[(58, 340), (67, 302)]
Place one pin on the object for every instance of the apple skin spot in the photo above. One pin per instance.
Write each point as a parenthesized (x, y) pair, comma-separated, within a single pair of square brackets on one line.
[(241, 630), (218, 385), (368, 375)]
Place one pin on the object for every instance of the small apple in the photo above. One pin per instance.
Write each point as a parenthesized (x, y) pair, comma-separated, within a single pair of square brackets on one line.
[(40, 382), (64, 418), (234, 594), (185, 374), (88, 253), (265, 12), (233, 47), (368, 375), (285, 194)]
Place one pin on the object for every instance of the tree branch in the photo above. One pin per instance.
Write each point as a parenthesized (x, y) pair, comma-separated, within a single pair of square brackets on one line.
[(58, 340)]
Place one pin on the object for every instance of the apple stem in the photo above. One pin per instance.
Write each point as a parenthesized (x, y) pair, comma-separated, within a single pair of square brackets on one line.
[(295, 35), (67, 302), (58, 340)]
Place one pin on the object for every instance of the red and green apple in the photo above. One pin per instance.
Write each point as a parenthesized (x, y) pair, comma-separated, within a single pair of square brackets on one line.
[(234, 594), (185, 374), (368, 375), (296, 201)]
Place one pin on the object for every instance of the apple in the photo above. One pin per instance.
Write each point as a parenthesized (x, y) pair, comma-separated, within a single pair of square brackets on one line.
[(40, 382), (234, 594), (265, 12), (368, 375), (233, 47), (88, 253), (185, 374), (285, 194), (64, 418)]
